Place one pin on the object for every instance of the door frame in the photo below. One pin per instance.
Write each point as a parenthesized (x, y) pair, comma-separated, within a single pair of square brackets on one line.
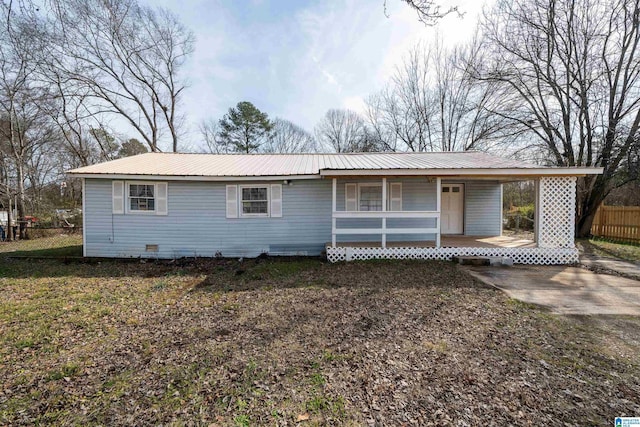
[(463, 209)]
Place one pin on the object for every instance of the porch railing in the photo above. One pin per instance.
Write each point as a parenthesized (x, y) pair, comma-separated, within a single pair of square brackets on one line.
[(383, 230)]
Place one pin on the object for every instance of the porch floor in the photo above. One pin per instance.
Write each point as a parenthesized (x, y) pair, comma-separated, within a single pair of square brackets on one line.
[(451, 241)]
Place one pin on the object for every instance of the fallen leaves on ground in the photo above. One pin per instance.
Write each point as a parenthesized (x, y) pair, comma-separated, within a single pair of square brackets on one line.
[(297, 342)]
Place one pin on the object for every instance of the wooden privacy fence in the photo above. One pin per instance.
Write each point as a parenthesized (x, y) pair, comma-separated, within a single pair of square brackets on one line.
[(617, 222)]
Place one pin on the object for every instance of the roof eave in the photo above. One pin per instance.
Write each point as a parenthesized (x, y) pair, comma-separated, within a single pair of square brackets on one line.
[(464, 172), (326, 173), (151, 177)]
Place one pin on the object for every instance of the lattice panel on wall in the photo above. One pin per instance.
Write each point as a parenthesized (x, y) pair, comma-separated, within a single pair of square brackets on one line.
[(556, 207), (547, 256)]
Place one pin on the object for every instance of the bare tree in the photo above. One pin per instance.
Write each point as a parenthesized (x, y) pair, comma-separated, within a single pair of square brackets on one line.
[(70, 110), (344, 131), (429, 11), (432, 104), (127, 57), (23, 126), (210, 131), (380, 117), (57, 95), (41, 170), (287, 137), (403, 111), (569, 74), (464, 120)]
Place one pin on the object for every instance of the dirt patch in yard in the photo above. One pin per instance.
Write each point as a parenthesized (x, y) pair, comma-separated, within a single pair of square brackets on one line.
[(298, 342)]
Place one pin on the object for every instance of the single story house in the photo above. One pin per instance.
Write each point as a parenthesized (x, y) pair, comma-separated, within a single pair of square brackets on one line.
[(350, 206)]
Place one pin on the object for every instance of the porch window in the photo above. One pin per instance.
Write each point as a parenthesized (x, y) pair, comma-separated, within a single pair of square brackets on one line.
[(370, 198), (255, 201), (366, 197)]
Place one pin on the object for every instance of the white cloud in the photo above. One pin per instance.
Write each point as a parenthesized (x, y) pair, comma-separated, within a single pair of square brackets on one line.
[(354, 103), (345, 45), (330, 54)]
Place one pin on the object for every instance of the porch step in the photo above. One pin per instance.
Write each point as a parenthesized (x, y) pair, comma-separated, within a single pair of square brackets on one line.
[(482, 260)]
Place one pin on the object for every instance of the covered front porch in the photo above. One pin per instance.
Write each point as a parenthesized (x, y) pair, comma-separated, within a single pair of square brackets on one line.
[(437, 217), (452, 242)]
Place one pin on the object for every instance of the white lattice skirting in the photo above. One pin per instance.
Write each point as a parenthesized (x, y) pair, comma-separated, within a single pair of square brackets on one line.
[(548, 256)]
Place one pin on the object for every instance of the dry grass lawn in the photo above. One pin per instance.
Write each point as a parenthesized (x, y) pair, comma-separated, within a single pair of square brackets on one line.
[(58, 245), (609, 249), (298, 342)]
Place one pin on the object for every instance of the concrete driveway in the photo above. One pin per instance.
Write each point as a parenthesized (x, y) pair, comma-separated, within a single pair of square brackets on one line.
[(565, 290)]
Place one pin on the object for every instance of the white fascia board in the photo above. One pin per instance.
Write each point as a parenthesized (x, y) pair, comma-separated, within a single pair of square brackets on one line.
[(465, 172), (191, 177)]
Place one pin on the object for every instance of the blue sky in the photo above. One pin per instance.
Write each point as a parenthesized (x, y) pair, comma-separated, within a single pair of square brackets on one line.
[(297, 59)]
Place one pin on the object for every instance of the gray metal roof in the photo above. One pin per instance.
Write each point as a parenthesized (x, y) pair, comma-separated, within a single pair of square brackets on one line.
[(282, 165)]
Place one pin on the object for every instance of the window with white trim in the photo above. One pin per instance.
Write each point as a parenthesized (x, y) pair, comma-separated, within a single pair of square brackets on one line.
[(367, 196), (139, 197), (370, 197), (254, 201), (142, 197)]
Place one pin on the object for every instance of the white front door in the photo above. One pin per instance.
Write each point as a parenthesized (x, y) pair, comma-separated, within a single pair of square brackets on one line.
[(452, 211)]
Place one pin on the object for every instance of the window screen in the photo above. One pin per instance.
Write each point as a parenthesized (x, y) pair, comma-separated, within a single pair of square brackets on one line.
[(371, 198), (255, 201), (142, 197)]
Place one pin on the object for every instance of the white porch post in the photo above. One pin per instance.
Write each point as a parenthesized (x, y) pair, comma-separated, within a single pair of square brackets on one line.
[(334, 191), (84, 216), (537, 203), (438, 209), (384, 209), (556, 212), (501, 207)]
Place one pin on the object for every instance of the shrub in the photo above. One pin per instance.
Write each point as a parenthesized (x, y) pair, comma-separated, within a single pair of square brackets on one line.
[(520, 217)]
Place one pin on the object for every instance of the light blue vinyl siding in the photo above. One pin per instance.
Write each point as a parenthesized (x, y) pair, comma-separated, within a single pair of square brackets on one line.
[(483, 208), (196, 224)]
